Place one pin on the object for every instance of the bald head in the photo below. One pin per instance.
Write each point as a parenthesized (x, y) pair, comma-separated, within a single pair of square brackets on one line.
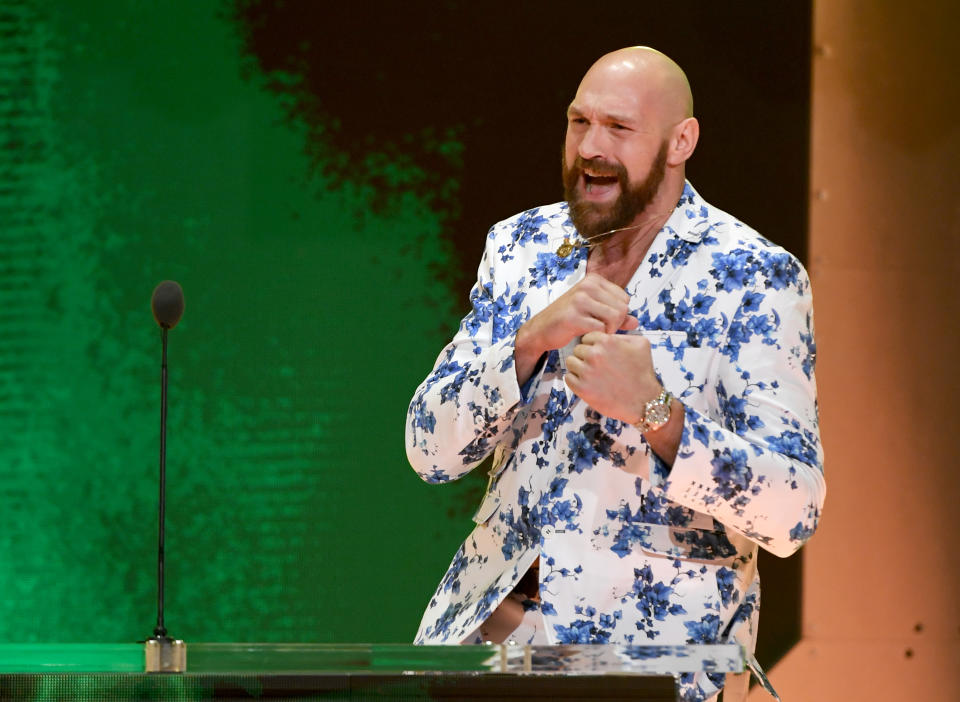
[(653, 78)]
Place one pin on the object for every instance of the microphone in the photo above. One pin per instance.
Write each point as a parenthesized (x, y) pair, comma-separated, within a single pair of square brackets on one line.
[(167, 304), (163, 653)]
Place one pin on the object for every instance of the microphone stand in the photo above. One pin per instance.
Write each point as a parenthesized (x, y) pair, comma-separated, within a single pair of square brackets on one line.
[(163, 654), (161, 631)]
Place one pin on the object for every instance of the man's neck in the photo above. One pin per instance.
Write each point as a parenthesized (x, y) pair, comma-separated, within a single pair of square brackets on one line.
[(618, 257)]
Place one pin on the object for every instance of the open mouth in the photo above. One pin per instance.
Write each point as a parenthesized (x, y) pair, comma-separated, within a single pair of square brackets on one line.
[(598, 182)]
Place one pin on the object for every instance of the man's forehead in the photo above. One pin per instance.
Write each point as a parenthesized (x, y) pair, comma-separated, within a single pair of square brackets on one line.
[(620, 83), (607, 103)]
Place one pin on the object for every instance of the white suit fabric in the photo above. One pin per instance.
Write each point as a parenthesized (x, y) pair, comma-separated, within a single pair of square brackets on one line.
[(631, 550)]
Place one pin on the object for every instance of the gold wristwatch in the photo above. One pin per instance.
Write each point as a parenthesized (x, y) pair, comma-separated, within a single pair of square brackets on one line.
[(656, 412)]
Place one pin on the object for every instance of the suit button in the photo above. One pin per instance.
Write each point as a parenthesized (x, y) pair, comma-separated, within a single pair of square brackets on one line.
[(547, 530)]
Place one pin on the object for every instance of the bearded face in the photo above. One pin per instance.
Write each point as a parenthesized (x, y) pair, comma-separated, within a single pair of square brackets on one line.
[(594, 218)]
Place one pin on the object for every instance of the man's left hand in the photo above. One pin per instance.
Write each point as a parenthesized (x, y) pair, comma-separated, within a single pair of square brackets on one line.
[(613, 373)]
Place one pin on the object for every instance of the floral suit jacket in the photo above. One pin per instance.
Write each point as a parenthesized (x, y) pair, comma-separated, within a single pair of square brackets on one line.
[(632, 551)]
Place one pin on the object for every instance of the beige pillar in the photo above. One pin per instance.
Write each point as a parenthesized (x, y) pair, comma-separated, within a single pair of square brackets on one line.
[(882, 575)]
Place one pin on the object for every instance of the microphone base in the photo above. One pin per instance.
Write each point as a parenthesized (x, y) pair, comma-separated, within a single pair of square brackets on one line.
[(165, 655)]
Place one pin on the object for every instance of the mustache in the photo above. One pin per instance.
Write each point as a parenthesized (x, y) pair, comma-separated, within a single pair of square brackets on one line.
[(600, 167)]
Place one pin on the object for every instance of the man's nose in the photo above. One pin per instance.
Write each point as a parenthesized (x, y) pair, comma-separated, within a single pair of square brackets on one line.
[(592, 143)]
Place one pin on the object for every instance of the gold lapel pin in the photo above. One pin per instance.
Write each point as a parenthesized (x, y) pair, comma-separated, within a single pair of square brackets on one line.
[(565, 249)]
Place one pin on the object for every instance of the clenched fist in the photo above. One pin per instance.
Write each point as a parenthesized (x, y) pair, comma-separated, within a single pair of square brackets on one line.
[(593, 304), (613, 373)]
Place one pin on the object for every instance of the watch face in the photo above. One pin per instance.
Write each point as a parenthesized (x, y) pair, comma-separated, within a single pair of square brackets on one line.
[(658, 414), (658, 411)]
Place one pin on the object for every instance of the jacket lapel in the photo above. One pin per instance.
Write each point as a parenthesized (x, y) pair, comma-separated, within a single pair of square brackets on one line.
[(567, 233), (684, 229)]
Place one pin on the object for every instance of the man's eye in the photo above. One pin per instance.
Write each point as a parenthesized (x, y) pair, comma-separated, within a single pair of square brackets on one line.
[(618, 126), (578, 120)]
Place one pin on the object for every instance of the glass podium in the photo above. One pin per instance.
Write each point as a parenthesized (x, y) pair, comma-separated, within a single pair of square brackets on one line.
[(235, 671)]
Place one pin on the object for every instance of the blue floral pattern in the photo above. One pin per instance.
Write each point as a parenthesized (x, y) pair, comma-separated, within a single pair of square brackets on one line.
[(631, 550)]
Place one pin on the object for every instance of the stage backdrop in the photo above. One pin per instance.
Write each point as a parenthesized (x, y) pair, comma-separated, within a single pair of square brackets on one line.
[(320, 181)]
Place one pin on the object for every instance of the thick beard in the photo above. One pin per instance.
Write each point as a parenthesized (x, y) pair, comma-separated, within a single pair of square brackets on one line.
[(592, 219)]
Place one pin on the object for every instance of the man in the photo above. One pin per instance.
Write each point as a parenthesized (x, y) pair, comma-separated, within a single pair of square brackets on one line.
[(640, 364)]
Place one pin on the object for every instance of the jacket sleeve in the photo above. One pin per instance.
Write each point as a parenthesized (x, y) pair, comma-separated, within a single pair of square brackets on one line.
[(755, 462), (461, 410)]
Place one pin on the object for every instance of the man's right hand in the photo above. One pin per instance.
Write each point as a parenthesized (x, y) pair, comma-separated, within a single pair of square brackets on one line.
[(593, 304)]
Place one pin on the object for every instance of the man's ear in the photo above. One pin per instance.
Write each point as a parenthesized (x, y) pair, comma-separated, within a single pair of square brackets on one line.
[(683, 140)]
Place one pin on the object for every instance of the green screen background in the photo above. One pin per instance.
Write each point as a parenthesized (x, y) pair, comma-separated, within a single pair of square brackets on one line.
[(319, 180), (138, 152)]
